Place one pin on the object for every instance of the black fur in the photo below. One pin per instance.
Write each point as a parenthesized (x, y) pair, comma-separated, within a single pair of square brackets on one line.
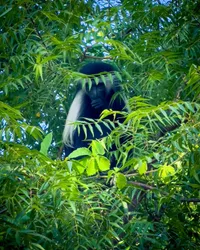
[(89, 103)]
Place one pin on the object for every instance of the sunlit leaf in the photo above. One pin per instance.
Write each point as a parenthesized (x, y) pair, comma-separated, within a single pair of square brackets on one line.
[(121, 181), (142, 167), (103, 163), (91, 167), (97, 148), (46, 143), (80, 152)]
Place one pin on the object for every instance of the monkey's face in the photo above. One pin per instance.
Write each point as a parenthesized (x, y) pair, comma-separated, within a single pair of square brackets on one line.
[(97, 94), (97, 91)]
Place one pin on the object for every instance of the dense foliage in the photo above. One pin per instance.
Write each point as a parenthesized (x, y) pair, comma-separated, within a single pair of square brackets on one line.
[(150, 201)]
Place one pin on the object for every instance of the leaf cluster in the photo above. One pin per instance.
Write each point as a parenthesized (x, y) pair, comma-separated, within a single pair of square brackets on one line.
[(149, 199)]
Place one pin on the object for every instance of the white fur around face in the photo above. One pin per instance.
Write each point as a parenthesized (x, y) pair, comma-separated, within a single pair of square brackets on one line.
[(72, 116)]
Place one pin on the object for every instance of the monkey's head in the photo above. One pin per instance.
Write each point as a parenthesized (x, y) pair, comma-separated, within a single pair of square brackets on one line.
[(99, 88)]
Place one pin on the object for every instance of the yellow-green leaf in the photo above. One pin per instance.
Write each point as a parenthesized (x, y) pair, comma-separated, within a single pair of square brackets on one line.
[(121, 180), (103, 163), (80, 152), (97, 148), (91, 167), (46, 143), (142, 168)]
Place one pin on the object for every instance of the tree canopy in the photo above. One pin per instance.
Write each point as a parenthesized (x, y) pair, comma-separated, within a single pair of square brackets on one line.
[(150, 199)]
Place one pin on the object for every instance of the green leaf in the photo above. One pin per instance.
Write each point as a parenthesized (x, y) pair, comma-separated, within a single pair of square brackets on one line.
[(5, 12), (37, 246), (89, 82), (103, 79), (35, 132), (46, 143), (189, 106), (38, 71), (110, 77), (80, 152), (73, 206), (118, 75), (48, 58), (165, 172), (97, 148), (91, 129), (103, 163), (99, 128), (6, 110), (96, 79), (121, 180), (142, 168), (92, 167)]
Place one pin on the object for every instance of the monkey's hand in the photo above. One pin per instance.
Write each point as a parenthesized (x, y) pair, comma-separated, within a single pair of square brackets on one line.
[(99, 103)]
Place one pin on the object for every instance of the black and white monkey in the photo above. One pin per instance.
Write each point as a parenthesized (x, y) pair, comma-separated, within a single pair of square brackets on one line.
[(89, 102)]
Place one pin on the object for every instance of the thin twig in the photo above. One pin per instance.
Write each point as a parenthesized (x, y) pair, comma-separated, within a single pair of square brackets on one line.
[(142, 185), (147, 172), (37, 31), (195, 200), (35, 27)]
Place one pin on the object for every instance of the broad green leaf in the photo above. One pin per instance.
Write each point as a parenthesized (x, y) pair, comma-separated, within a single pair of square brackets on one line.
[(121, 180), (97, 148), (91, 167), (103, 163), (142, 168), (165, 172), (80, 152), (80, 165), (46, 143)]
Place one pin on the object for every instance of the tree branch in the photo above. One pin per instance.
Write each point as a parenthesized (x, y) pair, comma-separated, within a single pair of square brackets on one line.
[(142, 185), (195, 200)]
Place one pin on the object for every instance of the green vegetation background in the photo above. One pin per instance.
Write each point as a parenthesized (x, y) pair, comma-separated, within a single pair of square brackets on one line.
[(50, 203)]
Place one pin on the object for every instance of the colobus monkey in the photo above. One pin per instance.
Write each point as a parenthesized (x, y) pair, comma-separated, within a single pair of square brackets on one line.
[(89, 102)]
